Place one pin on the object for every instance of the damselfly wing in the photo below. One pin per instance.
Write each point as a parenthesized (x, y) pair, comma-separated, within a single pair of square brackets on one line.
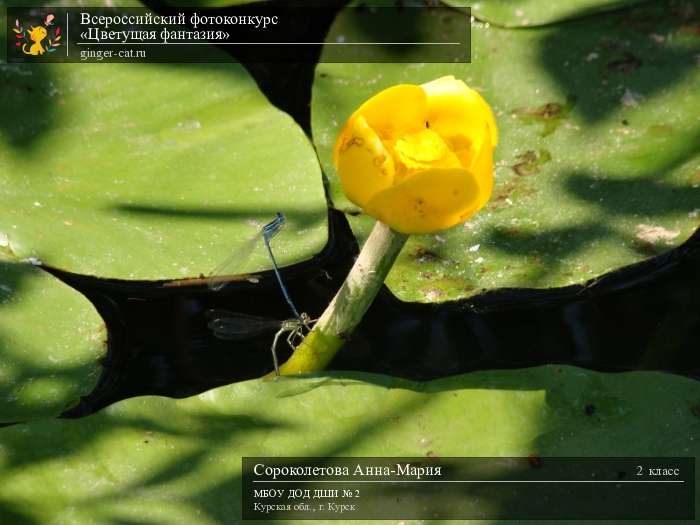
[(236, 326), (231, 266)]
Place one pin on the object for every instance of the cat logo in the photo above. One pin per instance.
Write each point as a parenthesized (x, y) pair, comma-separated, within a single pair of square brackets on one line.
[(37, 40)]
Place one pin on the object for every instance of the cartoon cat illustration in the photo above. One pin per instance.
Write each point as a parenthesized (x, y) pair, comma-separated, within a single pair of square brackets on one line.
[(36, 35)]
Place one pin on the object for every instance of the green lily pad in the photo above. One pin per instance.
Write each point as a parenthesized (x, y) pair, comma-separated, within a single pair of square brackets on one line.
[(155, 460), (51, 342), (151, 171), (525, 13), (598, 165)]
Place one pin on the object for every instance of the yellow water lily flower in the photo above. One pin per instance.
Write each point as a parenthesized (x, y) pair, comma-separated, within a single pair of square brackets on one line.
[(419, 158)]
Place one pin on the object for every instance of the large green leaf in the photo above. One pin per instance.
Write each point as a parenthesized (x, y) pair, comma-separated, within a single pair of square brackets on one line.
[(51, 341), (154, 460), (598, 165), (525, 13), (150, 171)]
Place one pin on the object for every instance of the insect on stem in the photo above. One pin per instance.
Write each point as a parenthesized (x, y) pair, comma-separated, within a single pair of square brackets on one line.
[(237, 326)]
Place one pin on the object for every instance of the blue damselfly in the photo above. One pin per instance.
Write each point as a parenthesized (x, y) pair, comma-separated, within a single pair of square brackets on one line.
[(232, 264), (238, 326), (235, 326)]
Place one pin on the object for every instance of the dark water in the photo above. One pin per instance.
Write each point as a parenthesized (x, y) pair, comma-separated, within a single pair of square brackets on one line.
[(642, 317)]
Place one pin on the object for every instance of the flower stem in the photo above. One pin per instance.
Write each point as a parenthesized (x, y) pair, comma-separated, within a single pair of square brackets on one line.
[(351, 302)]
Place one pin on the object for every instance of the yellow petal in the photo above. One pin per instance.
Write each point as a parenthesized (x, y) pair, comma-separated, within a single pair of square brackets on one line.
[(396, 111), (364, 166), (482, 168), (424, 150), (457, 112), (427, 201)]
